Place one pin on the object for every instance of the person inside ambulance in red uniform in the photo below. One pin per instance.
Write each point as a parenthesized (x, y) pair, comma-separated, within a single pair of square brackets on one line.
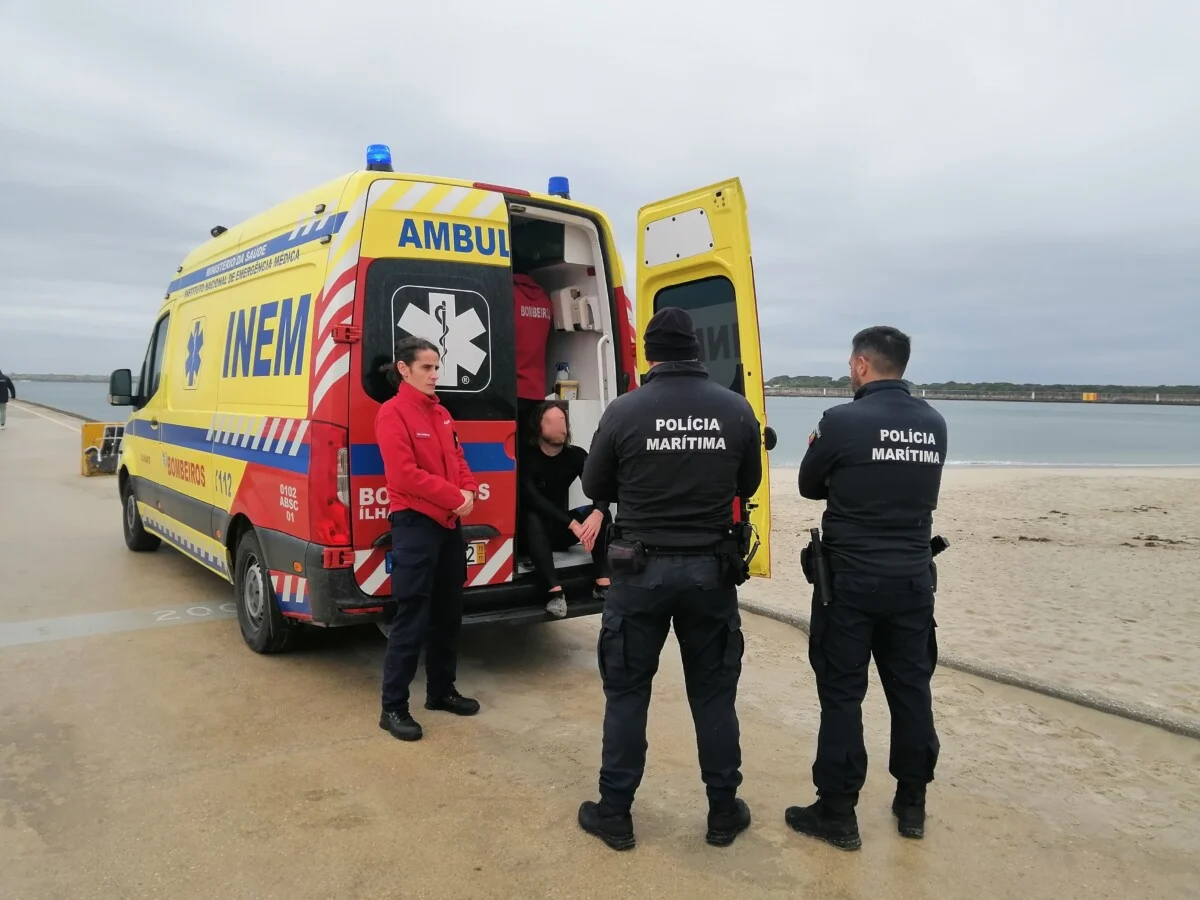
[(430, 488), (533, 317)]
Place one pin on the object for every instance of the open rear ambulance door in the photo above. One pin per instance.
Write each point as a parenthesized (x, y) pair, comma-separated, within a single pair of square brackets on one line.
[(693, 252)]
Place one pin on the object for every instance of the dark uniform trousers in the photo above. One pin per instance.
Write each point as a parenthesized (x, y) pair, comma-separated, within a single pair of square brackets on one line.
[(892, 620), (429, 567), (686, 591)]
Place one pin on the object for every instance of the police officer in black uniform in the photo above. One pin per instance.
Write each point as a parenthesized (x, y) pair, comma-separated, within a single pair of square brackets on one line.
[(673, 455), (878, 463)]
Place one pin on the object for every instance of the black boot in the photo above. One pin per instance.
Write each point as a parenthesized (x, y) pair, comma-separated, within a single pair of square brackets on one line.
[(834, 825), (453, 701), (400, 724), (613, 826), (908, 807), (726, 821)]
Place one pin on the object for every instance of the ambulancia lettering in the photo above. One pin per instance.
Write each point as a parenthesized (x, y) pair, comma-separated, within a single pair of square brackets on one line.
[(457, 238)]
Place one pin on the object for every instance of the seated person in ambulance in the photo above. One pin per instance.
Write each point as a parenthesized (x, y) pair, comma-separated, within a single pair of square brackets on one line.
[(534, 318), (548, 470)]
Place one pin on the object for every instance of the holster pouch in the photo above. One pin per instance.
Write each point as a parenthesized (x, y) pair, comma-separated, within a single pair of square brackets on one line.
[(626, 557), (806, 563), (735, 568), (822, 576), (743, 535), (933, 572)]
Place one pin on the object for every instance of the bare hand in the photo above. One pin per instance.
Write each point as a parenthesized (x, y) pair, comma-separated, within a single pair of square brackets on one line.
[(468, 504), (590, 530)]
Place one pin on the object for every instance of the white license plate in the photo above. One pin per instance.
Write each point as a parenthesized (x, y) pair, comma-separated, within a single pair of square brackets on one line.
[(476, 551)]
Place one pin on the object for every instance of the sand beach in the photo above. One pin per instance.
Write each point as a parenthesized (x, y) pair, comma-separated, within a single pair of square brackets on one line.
[(1085, 577)]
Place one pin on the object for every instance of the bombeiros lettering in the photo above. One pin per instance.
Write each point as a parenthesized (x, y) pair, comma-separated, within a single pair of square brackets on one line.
[(373, 503), (185, 470)]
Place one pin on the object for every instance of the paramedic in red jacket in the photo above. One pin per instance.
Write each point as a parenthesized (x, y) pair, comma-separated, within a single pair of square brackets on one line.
[(430, 488)]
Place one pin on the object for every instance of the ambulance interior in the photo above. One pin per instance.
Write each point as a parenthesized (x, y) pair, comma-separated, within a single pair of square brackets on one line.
[(562, 253)]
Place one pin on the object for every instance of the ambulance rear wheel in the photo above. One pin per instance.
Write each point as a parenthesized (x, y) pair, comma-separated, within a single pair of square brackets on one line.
[(137, 538), (264, 629)]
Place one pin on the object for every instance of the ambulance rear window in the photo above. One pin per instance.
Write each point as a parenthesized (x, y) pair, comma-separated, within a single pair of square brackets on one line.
[(466, 310), (712, 304)]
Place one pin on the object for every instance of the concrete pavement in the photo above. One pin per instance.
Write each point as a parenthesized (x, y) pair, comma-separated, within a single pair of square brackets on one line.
[(146, 752)]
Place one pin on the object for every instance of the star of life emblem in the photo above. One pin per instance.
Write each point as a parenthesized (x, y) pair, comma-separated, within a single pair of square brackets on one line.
[(458, 322)]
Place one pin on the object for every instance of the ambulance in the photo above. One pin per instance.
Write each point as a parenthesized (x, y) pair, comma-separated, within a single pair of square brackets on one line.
[(251, 445)]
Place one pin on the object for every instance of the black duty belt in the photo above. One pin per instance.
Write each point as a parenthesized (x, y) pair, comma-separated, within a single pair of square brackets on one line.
[(705, 550)]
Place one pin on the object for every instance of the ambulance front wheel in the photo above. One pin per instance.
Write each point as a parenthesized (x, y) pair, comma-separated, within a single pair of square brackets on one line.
[(137, 538), (264, 629)]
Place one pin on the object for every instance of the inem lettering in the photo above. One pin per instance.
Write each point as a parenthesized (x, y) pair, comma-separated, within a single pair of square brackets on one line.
[(268, 339)]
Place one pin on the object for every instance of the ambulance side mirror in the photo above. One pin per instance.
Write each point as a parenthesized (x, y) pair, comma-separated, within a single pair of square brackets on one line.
[(769, 438), (120, 388)]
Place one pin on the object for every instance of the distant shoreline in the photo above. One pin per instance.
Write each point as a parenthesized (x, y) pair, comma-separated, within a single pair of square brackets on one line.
[(60, 379), (1034, 395)]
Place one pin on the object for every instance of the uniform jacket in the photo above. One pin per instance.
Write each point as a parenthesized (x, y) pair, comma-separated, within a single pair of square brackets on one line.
[(422, 459), (877, 461), (673, 455), (6, 388), (533, 317)]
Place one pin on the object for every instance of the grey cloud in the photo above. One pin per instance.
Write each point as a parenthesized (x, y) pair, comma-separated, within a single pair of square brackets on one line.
[(1014, 185)]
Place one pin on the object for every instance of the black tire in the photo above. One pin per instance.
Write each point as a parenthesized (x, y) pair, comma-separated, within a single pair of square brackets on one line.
[(264, 629), (137, 538)]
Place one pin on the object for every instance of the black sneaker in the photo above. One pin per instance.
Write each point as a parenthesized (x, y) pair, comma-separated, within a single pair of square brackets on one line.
[(837, 828), (725, 824), (908, 807), (453, 702), (400, 724), (613, 827)]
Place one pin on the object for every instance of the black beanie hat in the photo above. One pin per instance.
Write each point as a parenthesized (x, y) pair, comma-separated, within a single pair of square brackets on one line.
[(671, 336)]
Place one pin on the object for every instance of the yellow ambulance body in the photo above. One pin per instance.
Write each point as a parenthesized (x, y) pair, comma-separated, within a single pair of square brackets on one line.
[(251, 447)]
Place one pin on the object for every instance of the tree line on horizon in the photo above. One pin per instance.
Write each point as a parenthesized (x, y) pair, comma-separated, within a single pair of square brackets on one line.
[(988, 387)]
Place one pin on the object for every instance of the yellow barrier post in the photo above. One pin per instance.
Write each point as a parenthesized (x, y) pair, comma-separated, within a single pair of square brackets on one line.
[(101, 447)]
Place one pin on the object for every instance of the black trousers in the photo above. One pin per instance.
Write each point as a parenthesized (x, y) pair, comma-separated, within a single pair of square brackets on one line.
[(542, 537), (429, 566), (892, 620), (685, 591)]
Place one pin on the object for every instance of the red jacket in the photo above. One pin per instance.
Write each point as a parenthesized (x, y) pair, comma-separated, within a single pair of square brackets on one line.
[(533, 318), (422, 459)]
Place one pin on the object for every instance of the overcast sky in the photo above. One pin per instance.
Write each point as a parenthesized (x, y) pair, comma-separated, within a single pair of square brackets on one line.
[(1017, 184)]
